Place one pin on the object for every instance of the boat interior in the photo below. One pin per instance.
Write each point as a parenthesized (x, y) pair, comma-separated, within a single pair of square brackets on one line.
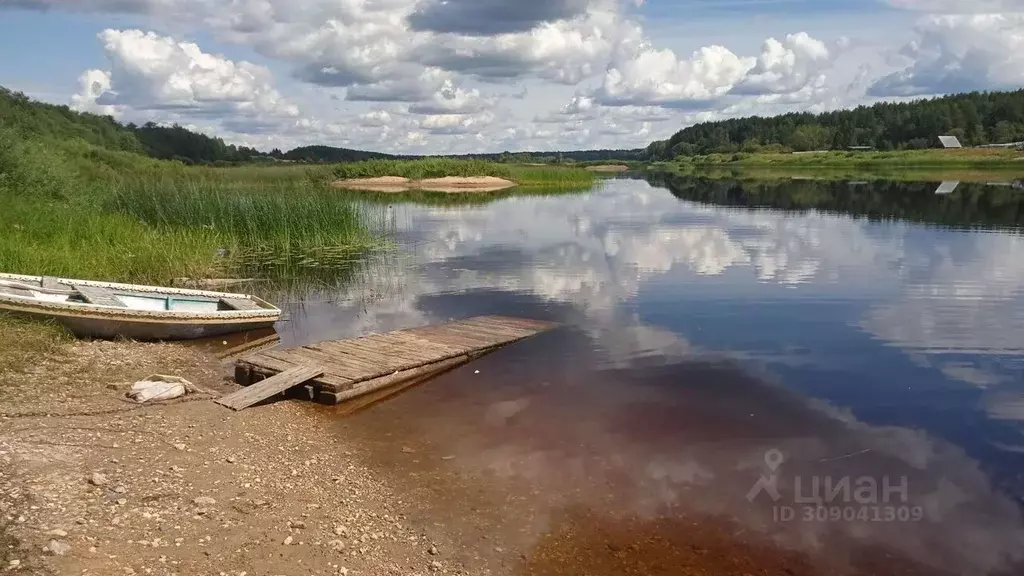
[(49, 290)]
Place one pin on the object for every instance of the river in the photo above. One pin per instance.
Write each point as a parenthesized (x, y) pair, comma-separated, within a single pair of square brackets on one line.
[(740, 384)]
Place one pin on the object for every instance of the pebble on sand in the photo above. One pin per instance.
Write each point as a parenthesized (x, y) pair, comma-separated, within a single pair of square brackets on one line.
[(98, 479), (58, 548)]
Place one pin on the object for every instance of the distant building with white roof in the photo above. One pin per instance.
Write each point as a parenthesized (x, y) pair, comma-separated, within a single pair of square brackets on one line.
[(950, 142)]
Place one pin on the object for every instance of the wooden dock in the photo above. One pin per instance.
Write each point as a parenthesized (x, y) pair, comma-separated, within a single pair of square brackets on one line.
[(342, 370)]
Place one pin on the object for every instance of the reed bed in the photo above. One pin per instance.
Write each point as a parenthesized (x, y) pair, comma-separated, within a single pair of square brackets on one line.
[(279, 215), (69, 241), (420, 169), (74, 210), (266, 231), (553, 177)]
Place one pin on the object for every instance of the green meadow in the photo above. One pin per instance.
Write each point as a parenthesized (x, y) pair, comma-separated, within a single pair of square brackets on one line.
[(965, 158)]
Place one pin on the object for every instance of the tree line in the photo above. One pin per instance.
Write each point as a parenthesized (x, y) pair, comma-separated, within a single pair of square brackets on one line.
[(975, 118), (34, 119), (29, 118)]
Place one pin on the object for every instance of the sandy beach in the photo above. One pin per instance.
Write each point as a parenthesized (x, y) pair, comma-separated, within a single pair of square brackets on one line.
[(448, 184), (94, 483)]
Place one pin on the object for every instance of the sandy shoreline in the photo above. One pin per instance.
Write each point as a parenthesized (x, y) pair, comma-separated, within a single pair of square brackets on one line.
[(448, 184), (94, 484), (608, 168)]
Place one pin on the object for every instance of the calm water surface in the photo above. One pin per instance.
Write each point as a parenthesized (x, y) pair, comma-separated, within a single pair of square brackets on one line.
[(701, 334)]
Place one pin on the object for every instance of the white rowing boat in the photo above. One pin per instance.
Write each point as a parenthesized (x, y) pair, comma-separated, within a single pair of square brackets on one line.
[(109, 310)]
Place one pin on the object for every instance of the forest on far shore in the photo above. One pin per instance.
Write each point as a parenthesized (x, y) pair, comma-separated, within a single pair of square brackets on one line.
[(975, 118), (33, 119)]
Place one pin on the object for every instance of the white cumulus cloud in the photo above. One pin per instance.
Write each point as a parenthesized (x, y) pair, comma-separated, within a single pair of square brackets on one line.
[(960, 53), (92, 85), (787, 66), (148, 71), (452, 99), (456, 123), (658, 76), (646, 75)]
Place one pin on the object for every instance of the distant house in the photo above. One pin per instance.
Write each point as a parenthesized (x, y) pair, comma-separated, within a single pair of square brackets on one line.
[(950, 142)]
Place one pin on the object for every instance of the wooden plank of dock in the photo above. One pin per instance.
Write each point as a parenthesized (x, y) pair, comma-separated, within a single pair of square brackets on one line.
[(270, 387), (357, 366)]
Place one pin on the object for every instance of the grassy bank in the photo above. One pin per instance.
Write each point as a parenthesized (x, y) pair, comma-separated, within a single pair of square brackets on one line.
[(969, 165), (837, 174), (987, 158), (22, 341), (73, 209), (524, 176)]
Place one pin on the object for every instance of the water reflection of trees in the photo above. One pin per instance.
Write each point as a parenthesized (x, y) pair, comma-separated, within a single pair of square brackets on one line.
[(971, 204)]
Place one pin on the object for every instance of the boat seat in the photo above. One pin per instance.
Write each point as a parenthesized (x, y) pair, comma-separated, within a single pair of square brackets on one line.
[(51, 283), (17, 292), (99, 296), (240, 304)]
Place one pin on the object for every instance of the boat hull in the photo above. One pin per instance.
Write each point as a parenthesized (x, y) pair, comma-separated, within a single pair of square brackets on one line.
[(107, 322), (150, 331)]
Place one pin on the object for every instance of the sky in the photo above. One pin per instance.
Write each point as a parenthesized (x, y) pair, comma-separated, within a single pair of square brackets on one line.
[(461, 76)]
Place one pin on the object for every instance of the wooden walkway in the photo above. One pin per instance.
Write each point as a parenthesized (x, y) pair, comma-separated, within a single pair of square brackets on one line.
[(347, 369)]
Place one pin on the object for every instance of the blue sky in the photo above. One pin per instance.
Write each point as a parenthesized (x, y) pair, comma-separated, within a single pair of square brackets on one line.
[(569, 73)]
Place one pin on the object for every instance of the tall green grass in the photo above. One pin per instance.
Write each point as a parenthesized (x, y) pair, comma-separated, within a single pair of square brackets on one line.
[(420, 169), (273, 230), (554, 177), (74, 210), (58, 239), (53, 224)]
